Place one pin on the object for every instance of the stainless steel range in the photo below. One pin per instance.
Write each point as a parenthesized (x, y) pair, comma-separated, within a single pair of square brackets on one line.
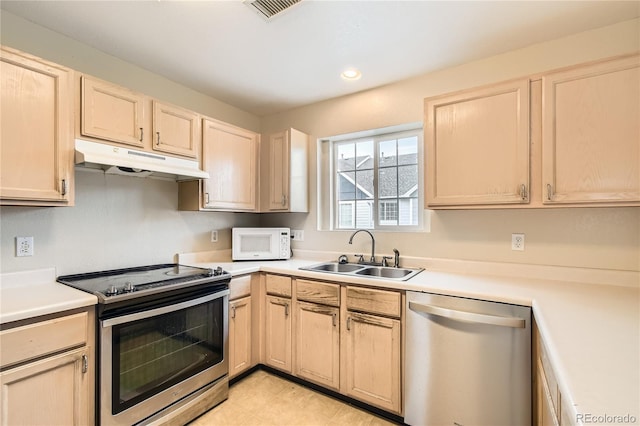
[(162, 342)]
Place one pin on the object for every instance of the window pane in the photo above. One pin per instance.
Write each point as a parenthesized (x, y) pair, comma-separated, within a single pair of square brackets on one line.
[(364, 153), (346, 215), (387, 153), (408, 150), (408, 211), (407, 181), (364, 214), (346, 157), (388, 182), (346, 188), (388, 212), (364, 184)]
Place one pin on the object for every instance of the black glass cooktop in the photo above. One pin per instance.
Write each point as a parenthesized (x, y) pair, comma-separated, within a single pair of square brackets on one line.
[(129, 281)]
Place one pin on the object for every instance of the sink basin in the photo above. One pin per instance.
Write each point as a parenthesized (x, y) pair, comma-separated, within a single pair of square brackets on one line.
[(335, 267), (383, 272), (369, 271)]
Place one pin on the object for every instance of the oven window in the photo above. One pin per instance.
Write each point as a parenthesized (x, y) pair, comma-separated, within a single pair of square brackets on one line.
[(152, 354)]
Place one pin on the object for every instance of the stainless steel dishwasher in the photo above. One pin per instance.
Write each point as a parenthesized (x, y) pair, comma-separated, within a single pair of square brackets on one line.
[(468, 362)]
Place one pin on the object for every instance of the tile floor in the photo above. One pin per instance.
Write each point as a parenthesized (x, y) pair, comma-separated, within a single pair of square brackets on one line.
[(263, 399)]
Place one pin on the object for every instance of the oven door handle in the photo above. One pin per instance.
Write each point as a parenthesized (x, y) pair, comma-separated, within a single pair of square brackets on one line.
[(163, 310)]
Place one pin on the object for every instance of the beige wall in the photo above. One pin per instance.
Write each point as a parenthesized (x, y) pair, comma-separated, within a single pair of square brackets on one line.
[(599, 238)]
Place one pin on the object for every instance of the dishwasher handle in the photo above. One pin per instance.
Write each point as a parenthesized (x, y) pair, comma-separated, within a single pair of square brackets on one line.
[(472, 317)]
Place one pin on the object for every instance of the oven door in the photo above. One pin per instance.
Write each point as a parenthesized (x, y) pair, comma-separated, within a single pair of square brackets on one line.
[(155, 357)]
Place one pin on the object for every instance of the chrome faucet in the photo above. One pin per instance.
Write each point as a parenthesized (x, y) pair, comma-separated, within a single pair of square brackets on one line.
[(373, 243)]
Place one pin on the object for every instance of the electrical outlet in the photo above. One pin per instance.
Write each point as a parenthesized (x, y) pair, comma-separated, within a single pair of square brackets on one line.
[(297, 235), (517, 242), (214, 236), (24, 246)]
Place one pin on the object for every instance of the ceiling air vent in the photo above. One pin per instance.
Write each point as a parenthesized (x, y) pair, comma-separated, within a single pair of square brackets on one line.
[(269, 9)]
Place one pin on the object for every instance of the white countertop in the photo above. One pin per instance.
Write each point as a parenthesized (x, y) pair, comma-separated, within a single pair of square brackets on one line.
[(30, 294), (591, 331)]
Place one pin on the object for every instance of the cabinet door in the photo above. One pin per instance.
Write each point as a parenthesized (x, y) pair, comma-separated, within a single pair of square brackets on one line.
[(112, 113), (175, 130), (478, 146), (545, 414), (279, 171), (36, 136), (591, 133), (278, 333), (52, 391), (229, 155), (318, 344), (372, 344), (239, 336)]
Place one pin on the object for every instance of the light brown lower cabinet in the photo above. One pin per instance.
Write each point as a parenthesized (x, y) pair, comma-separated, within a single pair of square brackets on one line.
[(549, 407), (48, 372), (317, 340), (239, 336), (372, 360), (278, 333), (345, 338)]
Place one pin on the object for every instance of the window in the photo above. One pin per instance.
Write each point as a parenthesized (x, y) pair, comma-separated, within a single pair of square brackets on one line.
[(375, 181)]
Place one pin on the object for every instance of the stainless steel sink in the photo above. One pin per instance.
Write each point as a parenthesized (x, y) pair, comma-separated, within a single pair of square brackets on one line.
[(369, 271), (335, 267), (395, 273)]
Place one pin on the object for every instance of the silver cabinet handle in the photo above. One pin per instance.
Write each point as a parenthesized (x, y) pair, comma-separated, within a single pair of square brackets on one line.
[(335, 319), (472, 317), (286, 309), (284, 200), (349, 323), (85, 363), (141, 134), (523, 192), (233, 312), (64, 187), (158, 133), (549, 192), (206, 198)]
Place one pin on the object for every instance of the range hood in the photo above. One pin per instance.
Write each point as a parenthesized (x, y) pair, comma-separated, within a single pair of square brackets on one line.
[(124, 161)]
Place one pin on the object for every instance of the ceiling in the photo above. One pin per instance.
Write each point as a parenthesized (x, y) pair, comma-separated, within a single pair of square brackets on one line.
[(225, 50)]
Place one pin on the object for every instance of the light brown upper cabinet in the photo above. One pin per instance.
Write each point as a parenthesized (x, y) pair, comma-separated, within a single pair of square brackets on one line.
[(112, 112), (477, 146), (119, 115), (175, 130), (591, 133), (287, 169), (36, 136), (230, 155)]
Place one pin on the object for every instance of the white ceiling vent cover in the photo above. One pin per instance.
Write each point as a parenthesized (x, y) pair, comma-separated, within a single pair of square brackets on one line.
[(268, 9)]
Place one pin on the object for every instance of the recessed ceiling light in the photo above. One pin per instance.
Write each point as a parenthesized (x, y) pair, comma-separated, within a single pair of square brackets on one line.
[(351, 74)]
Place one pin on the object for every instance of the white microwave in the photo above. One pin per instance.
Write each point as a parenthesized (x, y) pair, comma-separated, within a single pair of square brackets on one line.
[(260, 243)]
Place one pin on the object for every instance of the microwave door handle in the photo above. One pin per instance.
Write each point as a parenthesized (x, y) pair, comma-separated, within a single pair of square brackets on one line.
[(163, 310), (465, 316)]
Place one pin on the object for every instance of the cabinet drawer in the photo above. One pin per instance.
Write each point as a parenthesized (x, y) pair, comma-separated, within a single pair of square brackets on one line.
[(240, 287), (374, 301), (42, 338), (279, 285), (317, 292)]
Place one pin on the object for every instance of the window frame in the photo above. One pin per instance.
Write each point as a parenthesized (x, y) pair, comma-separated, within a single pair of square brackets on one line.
[(328, 203)]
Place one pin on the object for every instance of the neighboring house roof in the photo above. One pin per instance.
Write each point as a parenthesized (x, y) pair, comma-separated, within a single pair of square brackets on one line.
[(407, 177)]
